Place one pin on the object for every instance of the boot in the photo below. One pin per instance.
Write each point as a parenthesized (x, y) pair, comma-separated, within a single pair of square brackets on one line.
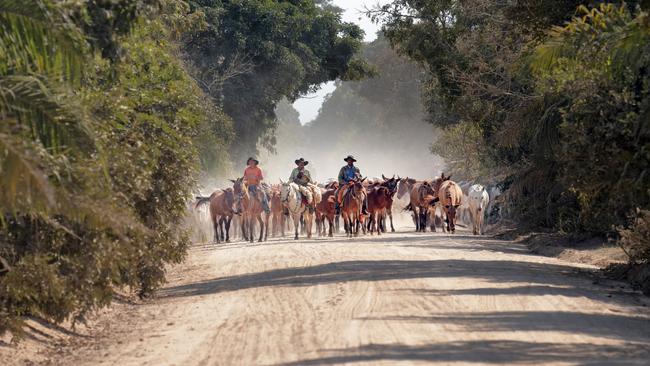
[(364, 208), (337, 207)]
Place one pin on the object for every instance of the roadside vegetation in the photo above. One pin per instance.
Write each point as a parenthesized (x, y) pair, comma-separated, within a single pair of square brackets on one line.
[(548, 99), (110, 111)]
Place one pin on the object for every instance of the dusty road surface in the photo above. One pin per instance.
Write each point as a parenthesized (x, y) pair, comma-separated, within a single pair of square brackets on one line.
[(398, 299)]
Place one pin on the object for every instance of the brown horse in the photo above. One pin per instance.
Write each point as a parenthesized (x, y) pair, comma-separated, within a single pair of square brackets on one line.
[(221, 212), (449, 196), (379, 201), (277, 212), (326, 210), (353, 196), (250, 209), (393, 185), (421, 195)]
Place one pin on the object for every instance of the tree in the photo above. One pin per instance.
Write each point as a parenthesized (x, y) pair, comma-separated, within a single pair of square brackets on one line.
[(98, 162), (529, 122), (255, 53)]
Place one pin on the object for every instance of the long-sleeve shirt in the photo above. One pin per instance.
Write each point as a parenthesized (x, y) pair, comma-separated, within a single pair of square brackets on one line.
[(303, 180), (348, 173)]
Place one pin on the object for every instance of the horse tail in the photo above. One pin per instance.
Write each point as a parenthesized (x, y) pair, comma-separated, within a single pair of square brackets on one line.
[(201, 200)]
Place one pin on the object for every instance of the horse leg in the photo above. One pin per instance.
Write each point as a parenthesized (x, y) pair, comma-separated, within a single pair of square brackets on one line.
[(331, 226), (416, 219), (251, 229), (260, 220), (221, 235), (308, 222), (296, 225), (215, 226), (227, 224)]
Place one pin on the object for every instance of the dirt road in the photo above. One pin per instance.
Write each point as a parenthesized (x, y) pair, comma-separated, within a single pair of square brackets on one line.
[(401, 298)]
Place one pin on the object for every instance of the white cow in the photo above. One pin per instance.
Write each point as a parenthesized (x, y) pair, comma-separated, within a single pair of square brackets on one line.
[(478, 203)]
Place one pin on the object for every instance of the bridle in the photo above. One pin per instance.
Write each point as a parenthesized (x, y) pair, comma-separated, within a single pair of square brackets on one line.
[(287, 201)]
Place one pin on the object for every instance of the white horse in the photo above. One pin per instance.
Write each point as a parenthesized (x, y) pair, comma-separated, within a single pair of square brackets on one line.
[(292, 200), (478, 203)]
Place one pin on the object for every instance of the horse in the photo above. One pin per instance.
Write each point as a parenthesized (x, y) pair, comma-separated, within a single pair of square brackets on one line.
[(351, 206), (326, 210), (449, 196), (421, 195), (393, 185), (221, 212), (277, 212), (298, 208), (250, 209), (379, 200), (478, 202), (405, 186)]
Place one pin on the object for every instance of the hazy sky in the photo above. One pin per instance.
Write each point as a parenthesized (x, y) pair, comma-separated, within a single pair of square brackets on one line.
[(308, 107)]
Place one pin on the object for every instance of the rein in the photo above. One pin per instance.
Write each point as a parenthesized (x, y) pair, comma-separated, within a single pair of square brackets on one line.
[(287, 200)]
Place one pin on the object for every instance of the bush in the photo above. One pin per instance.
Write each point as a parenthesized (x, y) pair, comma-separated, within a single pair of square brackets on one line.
[(635, 240), (97, 164)]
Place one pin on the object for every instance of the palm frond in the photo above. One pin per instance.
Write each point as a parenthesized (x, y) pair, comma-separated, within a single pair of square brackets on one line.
[(24, 186), (37, 36)]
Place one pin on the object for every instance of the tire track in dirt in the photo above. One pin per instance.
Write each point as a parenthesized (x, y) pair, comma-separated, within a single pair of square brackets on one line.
[(402, 298)]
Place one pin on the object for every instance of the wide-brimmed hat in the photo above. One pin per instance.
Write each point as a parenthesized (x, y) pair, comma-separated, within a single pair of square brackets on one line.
[(301, 160), (253, 159), (350, 157)]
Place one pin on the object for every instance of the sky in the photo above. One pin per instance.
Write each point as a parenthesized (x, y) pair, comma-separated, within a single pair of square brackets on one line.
[(309, 105)]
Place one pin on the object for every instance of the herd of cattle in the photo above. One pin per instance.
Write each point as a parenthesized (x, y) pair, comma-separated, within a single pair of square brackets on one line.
[(438, 202)]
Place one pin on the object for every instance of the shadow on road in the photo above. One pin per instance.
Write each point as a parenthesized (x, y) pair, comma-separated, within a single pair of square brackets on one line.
[(416, 240), (487, 352), (490, 270), (614, 326)]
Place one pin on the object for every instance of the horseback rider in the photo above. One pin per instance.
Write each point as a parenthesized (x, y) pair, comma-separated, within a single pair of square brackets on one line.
[(302, 178), (300, 175), (348, 173), (253, 177)]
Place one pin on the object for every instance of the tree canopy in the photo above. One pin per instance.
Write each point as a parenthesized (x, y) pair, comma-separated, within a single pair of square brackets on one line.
[(548, 98), (252, 54)]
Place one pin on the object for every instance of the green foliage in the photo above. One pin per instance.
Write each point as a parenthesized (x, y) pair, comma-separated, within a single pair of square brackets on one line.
[(97, 162), (599, 64), (634, 240), (562, 115), (255, 53), (461, 145)]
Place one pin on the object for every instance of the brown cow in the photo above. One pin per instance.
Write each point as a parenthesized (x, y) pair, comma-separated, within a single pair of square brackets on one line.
[(221, 212)]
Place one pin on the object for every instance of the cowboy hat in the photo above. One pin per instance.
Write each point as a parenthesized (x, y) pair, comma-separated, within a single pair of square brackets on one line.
[(253, 159), (350, 157), (301, 160)]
